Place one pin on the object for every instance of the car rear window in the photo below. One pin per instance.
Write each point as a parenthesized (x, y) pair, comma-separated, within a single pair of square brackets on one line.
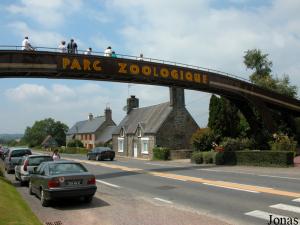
[(35, 161), (62, 168), (20, 153)]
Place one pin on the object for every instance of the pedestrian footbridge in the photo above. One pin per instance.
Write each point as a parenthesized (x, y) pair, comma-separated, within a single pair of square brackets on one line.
[(48, 63)]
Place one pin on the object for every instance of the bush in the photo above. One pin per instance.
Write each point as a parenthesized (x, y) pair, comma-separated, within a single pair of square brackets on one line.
[(283, 143), (237, 144), (265, 158), (219, 158), (202, 139), (160, 153), (75, 143), (72, 150), (197, 157), (209, 157)]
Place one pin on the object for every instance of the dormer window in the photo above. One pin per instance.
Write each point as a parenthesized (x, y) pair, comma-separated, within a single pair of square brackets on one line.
[(139, 132), (122, 133)]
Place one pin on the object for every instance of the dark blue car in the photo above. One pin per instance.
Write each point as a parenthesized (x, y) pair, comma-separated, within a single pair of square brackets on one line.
[(101, 153)]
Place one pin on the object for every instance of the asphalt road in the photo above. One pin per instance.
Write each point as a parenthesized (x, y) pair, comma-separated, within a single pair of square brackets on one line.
[(228, 193), (179, 193)]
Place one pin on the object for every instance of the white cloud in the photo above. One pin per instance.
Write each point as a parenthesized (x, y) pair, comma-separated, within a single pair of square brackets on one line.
[(48, 13)]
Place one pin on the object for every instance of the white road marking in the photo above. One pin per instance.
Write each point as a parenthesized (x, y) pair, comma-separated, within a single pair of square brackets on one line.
[(264, 215), (108, 184), (296, 200), (285, 207), (158, 164), (260, 175), (174, 178), (238, 189), (163, 200)]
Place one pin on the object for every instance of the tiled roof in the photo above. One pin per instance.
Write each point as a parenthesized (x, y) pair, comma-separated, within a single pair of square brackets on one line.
[(150, 118), (87, 126), (106, 134)]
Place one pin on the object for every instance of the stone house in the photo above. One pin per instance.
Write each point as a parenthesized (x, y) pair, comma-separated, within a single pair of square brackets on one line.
[(94, 131), (165, 125)]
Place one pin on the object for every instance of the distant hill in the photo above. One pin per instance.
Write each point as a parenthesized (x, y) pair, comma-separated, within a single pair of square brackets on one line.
[(8, 137)]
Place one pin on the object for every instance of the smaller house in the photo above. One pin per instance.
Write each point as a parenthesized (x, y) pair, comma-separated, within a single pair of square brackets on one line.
[(167, 124), (94, 131), (49, 142)]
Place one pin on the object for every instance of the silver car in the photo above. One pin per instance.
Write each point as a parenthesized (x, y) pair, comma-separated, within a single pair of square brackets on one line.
[(26, 166), (13, 157), (62, 179)]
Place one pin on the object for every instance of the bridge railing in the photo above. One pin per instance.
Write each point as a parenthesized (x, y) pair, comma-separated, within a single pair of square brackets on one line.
[(49, 49)]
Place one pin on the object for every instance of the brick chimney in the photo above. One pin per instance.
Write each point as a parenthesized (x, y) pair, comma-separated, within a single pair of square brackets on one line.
[(90, 117), (177, 97), (132, 102), (108, 114)]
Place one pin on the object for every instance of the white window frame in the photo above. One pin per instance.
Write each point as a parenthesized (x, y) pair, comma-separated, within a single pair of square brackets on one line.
[(144, 140), (120, 144)]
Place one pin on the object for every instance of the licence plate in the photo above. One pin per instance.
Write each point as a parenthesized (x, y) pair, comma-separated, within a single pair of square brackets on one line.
[(74, 182)]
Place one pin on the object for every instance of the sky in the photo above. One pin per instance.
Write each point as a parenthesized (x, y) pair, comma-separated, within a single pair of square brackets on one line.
[(209, 33)]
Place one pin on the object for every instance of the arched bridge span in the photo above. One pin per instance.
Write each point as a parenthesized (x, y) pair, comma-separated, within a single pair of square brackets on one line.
[(53, 65)]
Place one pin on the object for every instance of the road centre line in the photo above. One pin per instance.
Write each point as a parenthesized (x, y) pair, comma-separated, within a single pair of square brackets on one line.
[(238, 189), (286, 207), (197, 179), (163, 200), (108, 184), (260, 175), (264, 215)]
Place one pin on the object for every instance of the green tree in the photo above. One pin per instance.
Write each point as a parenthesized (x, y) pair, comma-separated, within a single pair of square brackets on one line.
[(255, 60), (224, 117), (35, 135)]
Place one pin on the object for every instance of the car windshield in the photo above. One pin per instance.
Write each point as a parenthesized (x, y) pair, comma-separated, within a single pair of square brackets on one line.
[(21, 152), (62, 168), (35, 161)]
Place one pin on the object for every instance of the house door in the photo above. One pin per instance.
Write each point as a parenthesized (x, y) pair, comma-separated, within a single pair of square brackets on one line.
[(135, 150)]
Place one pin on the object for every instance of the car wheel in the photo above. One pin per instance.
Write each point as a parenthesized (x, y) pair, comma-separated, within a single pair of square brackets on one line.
[(22, 183), (112, 159), (44, 201), (89, 157), (30, 188), (88, 199)]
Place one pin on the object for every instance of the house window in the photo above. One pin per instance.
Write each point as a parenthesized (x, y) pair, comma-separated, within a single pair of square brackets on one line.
[(122, 133), (139, 132), (145, 145), (120, 144)]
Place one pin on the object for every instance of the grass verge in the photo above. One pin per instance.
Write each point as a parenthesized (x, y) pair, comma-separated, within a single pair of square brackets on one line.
[(13, 209)]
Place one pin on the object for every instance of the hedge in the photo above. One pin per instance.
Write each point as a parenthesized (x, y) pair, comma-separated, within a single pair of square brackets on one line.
[(256, 158), (160, 153), (72, 150), (197, 157)]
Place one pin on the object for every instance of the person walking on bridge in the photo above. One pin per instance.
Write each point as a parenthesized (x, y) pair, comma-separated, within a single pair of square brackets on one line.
[(62, 47), (26, 45), (88, 51), (72, 47), (108, 52)]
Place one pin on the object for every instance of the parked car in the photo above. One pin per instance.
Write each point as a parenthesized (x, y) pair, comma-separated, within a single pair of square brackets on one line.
[(26, 166), (13, 157), (62, 179), (101, 153), (3, 152)]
